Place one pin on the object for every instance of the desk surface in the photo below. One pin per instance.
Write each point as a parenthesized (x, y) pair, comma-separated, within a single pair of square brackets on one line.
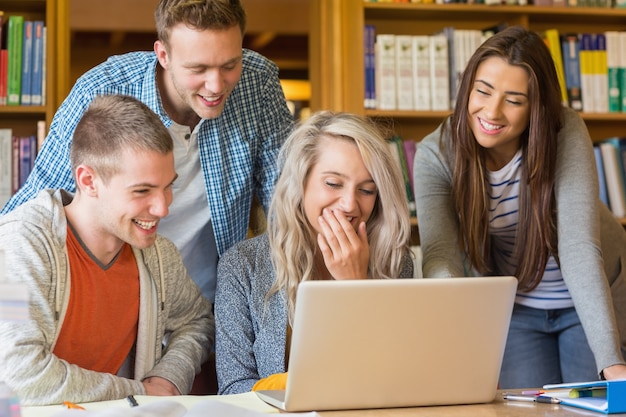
[(497, 408)]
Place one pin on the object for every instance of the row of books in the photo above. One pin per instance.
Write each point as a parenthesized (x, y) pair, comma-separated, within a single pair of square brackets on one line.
[(416, 72), (422, 72), (591, 69), (17, 156), (611, 164), (22, 61), (550, 3)]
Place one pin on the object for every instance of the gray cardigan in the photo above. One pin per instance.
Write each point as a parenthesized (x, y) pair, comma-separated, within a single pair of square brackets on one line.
[(172, 312), (251, 335), (591, 245)]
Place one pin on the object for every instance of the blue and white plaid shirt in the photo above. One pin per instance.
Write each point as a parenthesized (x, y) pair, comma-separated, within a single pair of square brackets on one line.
[(238, 150)]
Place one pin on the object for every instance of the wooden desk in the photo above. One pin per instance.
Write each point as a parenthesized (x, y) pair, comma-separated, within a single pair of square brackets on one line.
[(499, 408)]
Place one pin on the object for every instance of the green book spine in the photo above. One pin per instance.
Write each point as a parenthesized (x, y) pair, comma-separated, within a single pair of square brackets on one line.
[(15, 40)]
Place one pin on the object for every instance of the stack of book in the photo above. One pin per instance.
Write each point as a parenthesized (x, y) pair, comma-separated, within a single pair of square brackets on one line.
[(22, 61)]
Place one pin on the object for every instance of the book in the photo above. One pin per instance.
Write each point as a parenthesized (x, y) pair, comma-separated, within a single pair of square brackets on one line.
[(37, 73), (586, 72), (27, 63), (421, 72), (439, 73), (614, 178), (24, 158), (613, 71), (385, 52), (622, 69), (6, 170), (570, 48), (600, 78), (4, 71), (44, 67), (397, 151), (3, 60), (409, 152), (369, 39), (553, 42), (14, 46), (613, 400), (604, 197), (404, 72)]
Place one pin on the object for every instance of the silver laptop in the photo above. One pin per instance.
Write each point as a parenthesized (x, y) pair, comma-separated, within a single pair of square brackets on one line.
[(396, 343)]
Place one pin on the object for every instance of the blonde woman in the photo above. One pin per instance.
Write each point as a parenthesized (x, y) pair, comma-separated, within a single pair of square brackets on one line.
[(339, 211)]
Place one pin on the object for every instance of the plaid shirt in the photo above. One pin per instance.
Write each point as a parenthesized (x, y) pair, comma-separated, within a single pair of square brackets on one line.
[(238, 150)]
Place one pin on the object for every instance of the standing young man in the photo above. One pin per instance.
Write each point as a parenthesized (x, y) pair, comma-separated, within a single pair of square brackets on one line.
[(113, 311), (224, 108)]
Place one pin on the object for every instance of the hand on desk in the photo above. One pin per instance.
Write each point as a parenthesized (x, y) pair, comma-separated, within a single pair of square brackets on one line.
[(159, 386), (615, 372)]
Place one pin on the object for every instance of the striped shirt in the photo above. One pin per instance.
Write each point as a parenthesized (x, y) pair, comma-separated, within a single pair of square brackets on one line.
[(551, 293), (237, 150)]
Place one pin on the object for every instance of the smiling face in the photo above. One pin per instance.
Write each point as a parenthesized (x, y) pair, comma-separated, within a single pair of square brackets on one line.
[(499, 109), (339, 181), (133, 201), (202, 69)]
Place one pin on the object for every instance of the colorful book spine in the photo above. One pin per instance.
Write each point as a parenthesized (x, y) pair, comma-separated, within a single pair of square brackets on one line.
[(586, 72), (385, 71), (570, 48), (554, 45), (614, 179), (604, 197), (14, 45), (622, 69), (404, 72), (613, 71), (439, 73), (36, 74), (4, 71), (27, 63), (421, 72), (369, 40), (600, 77), (6, 172)]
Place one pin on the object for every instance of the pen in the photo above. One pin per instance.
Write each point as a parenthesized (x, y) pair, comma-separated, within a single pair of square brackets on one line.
[(71, 405), (132, 401), (532, 398), (533, 392)]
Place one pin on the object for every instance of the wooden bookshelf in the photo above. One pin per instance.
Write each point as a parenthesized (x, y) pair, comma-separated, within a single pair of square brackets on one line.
[(23, 119), (336, 50)]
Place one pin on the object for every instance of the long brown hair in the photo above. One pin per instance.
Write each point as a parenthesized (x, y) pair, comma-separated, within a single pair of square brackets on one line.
[(525, 49)]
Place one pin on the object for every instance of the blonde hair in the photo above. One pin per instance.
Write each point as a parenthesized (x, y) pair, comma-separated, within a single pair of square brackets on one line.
[(292, 240)]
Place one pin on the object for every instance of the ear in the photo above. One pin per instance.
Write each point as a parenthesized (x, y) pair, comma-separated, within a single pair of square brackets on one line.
[(161, 53), (86, 180)]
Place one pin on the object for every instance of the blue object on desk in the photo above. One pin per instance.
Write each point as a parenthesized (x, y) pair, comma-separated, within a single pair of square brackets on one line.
[(613, 402)]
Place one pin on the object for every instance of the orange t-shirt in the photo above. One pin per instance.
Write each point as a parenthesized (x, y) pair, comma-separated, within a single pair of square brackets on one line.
[(100, 326)]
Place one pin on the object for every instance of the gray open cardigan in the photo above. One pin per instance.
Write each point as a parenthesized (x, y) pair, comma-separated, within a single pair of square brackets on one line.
[(250, 334), (591, 246), (175, 329)]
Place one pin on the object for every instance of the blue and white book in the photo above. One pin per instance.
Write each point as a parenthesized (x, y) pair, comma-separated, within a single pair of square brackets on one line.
[(37, 73)]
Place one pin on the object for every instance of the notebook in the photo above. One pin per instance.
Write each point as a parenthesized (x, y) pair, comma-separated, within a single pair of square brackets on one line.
[(396, 343)]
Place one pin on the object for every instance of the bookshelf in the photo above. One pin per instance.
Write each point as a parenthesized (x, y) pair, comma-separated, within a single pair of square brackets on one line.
[(23, 119), (337, 64)]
